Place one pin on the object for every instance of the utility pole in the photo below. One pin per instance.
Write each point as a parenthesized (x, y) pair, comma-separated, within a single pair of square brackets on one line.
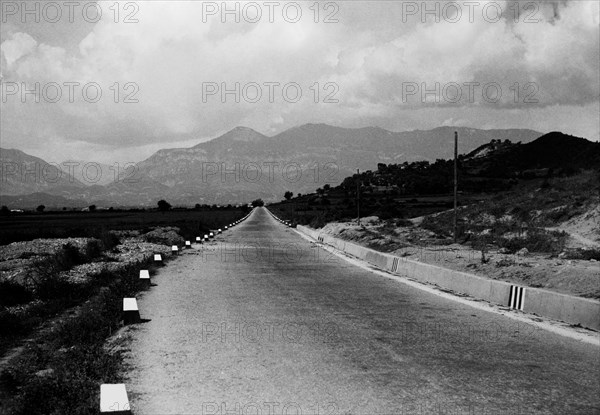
[(357, 197), (455, 184)]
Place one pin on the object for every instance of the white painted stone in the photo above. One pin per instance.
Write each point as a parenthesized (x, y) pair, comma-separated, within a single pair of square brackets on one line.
[(144, 274), (113, 398), (130, 304)]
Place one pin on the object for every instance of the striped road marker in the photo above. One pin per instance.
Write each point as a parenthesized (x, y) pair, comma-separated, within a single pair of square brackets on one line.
[(516, 298)]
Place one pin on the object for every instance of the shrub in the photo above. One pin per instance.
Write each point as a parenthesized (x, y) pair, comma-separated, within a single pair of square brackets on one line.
[(585, 254), (13, 293), (535, 241), (403, 222), (108, 239), (92, 249)]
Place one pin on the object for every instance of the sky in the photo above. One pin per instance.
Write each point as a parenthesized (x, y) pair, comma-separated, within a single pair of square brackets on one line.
[(116, 81)]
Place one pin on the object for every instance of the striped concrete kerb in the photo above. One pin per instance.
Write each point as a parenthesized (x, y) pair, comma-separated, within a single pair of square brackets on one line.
[(544, 303)]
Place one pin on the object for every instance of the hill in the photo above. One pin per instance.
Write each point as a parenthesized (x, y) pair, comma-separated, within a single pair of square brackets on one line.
[(243, 164)]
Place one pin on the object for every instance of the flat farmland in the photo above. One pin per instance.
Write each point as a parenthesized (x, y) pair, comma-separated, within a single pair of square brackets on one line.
[(29, 226)]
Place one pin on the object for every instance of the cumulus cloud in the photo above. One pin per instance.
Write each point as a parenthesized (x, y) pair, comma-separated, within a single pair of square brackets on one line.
[(370, 57)]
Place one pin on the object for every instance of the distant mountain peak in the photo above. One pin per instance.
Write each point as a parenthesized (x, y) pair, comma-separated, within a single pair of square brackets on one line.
[(242, 133), (239, 133)]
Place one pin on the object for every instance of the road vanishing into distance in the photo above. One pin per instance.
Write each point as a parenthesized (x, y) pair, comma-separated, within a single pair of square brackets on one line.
[(262, 321)]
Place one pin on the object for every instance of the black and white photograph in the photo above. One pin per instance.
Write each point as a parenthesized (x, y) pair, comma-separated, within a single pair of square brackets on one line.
[(312, 207)]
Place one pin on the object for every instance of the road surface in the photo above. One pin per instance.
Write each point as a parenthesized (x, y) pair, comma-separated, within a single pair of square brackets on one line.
[(261, 321)]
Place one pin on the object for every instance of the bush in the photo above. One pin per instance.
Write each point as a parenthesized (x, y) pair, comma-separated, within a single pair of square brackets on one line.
[(535, 241), (52, 286), (585, 254), (108, 239), (68, 256), (403, 222), (92, 249), (13, 293)]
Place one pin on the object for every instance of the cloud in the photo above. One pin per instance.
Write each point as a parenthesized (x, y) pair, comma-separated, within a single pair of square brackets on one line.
[(369, 55), (18, 45)]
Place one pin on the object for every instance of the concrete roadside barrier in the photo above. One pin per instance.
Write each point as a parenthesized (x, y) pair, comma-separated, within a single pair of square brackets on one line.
[(198, 240), (583, 311), (205, 237), (188, 244), (113, 399), (211, 235), (174, 249), (131, 313), (541, 302), (145, 277), (219, 231), (157, 258)]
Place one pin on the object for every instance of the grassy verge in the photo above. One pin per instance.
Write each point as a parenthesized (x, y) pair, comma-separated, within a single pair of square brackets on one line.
[(45, 293), (61, 370)]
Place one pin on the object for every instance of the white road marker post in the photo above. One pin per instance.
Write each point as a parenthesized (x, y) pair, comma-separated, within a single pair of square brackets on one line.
[(131, 313), (113, 399), (145, 277)]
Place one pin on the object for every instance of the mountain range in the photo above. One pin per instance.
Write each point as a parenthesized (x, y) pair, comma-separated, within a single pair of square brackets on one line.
[(238, 166)]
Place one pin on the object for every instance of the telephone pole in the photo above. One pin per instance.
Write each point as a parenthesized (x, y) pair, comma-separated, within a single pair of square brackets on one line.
[(455, 184), (357, 197)]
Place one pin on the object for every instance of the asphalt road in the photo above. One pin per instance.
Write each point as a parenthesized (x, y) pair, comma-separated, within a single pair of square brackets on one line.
[(261, 321)]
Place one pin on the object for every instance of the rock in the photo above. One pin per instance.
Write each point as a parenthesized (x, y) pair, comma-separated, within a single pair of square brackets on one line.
[(503, 251), (562, 255), (523, 252), (44, 373)]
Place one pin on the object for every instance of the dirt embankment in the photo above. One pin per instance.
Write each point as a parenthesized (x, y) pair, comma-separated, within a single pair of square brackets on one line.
[(540, 270)]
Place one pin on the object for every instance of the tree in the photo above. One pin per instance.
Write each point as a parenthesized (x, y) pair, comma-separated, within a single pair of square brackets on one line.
[(163, 205), (197, 206), (327, 187), (258, 202), (4, 210), (40, 208), (288, 195), (92, 208)]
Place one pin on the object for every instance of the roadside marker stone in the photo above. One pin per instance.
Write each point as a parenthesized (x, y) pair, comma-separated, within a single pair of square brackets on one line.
[(113, 399), (188, 244), (145, 275), (198, 239), (131, 314), (158, 257), (174, 249)]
